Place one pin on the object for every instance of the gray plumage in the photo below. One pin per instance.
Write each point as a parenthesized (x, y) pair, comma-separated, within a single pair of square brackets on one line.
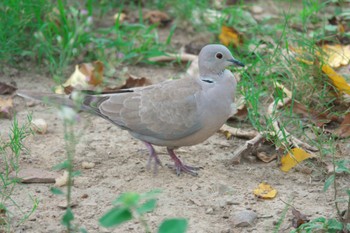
[(172, 113)]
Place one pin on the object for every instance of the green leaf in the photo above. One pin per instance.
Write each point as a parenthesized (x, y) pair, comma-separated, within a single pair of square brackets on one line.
[(348, 192), (67, 217), (151, 194), (76, 173), (115, 217), (60, 166), (175, 225), (83, 230), (129, 199), (146, 207), (328, 182), (334, 224), (56, 191)]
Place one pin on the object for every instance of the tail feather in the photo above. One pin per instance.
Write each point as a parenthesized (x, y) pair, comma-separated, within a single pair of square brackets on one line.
[(49, 98)]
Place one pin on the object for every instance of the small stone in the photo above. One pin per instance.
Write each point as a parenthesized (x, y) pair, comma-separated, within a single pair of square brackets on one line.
[(87, 165), (209, 210), (62, 180), (256, 9), (63, 204), (39, 126), (84, 196), (244, 218)]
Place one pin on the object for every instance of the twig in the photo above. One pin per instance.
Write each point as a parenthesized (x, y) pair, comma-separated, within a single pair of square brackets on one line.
[(248, 147), (282, 133), (185, 57), (229, 132)]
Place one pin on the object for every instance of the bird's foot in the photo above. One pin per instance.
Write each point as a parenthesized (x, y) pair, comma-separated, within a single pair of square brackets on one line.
[(181, 167), (153, 158)]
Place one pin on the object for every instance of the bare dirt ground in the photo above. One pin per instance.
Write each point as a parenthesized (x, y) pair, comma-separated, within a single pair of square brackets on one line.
[(208, 200)]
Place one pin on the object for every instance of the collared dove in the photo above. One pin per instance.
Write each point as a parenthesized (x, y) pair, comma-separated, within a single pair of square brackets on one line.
[(173, 113)]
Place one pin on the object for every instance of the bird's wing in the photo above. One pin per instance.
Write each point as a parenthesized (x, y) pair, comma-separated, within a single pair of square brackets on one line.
[(167, 111)]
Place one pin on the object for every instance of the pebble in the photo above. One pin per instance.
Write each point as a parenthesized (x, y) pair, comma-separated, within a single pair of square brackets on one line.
[(209, 211), (39, 126), (87, 165), (244, 218), (256, 9)]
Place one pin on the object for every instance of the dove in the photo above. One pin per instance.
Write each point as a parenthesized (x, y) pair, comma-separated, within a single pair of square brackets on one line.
[(172, 113)]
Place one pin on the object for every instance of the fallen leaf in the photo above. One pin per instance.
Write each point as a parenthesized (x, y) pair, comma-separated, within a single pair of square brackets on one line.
[(85, 77), (302, 56), (265, 191), (336, 55), (344, 129), (319, 119), (7, 89), (338, 81), (120, 16), (130, 82), (230, 36), (3, 216), (158, 17), (295, 156), (6, 107), (298, 218), (266, 158)]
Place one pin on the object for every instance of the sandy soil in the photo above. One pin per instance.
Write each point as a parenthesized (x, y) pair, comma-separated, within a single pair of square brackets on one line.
[(208, 200)]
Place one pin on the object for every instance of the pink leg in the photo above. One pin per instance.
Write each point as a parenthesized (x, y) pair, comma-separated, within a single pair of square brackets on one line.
[(179, 166), (152, 156)]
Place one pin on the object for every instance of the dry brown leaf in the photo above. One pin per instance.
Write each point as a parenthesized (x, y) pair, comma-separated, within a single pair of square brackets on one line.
[(336, 55), (85, 77), (317, 118), (266, 158), (7, 89), (344, 129), (158, 17), (6, 107), (298, 218), (130, 82), (265, 191), (230, 36), (293, 158)]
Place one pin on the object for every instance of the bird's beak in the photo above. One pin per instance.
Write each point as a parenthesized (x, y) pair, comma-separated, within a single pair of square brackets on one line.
[(236, 62)]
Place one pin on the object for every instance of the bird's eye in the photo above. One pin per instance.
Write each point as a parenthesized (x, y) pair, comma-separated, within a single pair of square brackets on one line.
[(219, 55)]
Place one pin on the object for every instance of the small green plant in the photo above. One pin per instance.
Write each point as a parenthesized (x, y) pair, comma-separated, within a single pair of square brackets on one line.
[(134, 205), (326, 225), (10, 152), (71, 137)]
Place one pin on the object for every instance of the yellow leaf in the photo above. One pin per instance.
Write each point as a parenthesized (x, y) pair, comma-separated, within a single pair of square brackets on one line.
[(338, 81), (302, 55), (336, 55), (292, 159), (229, 36), (265, 191)]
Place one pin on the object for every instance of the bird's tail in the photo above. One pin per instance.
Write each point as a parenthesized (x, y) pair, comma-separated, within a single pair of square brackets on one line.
[(49, 98)]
